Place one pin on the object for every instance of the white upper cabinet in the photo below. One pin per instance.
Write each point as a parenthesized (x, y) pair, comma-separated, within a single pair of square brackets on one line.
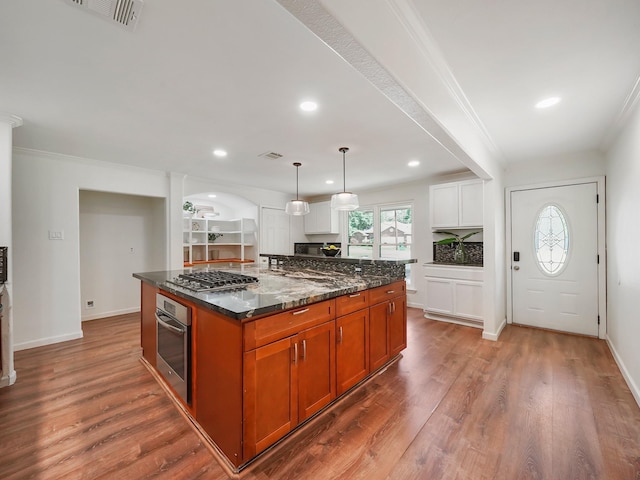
[(321, 219), (456, 205)]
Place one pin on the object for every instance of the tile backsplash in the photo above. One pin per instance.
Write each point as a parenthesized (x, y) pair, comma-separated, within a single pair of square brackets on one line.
[(444, 253)]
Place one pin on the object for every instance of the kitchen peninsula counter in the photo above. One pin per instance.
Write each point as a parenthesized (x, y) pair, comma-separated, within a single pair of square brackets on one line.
[(268, 358)]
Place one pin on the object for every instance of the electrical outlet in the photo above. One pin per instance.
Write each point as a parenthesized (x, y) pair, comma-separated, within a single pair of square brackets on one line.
[(90, 304)]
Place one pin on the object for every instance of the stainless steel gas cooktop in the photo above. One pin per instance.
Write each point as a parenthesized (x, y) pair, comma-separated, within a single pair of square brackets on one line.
[(215, 280)]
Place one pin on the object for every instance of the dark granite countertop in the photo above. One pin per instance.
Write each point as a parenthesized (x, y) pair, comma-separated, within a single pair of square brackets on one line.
[(451, 264), (362, 261), (278, 288)]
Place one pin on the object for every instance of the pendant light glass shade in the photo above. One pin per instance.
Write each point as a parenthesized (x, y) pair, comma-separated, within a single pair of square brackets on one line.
[(296, 207), (344, 200)]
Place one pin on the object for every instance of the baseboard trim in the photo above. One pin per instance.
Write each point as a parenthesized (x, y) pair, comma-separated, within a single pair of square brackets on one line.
[(47, 341), (112, 313), (494, 336), (635, 391), (449, 319), (8, 380)]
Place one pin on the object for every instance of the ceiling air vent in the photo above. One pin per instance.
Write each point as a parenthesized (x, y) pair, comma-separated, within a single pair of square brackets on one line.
[(271, 155), (123, 12)]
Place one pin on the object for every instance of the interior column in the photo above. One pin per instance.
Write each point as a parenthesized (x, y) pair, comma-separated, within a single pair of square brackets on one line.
[(7, 123)]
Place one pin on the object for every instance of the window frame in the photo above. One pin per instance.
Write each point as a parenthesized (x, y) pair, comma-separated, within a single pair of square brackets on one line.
[(377, 209)]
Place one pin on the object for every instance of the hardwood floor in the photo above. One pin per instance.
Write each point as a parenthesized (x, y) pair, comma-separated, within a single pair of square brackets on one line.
[(534, 405)]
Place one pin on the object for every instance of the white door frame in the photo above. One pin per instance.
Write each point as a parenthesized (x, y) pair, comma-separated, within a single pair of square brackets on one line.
[(602, 266)]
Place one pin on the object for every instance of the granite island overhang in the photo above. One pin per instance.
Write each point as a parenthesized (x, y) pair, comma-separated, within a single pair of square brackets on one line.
[(263, 361), (292, 282)]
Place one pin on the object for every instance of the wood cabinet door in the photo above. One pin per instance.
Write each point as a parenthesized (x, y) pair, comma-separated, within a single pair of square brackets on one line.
[(316, 369), (398, 325), (270, 395), (379, 335), (352, 349), (148, 323)]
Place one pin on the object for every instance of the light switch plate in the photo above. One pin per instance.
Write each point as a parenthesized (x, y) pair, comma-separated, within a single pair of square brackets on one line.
[(56, 234)]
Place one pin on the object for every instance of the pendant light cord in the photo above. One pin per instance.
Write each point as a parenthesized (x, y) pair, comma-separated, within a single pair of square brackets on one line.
[(297, 165), (344, 150), (344, 174)]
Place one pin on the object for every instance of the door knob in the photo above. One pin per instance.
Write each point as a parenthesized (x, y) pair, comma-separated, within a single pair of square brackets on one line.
[(516, 267)]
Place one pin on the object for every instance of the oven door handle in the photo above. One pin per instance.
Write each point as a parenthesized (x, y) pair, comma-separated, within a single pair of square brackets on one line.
[(177, 330)]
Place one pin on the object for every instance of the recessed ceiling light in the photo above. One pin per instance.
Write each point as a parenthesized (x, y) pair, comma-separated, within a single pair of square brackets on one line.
[(548, 102), (308, 106), (413, 163), (220, 153), (212, 196), (329, 182)]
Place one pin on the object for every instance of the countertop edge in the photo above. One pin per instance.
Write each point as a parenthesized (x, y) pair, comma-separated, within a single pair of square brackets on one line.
[(361, 261), (248, 315)]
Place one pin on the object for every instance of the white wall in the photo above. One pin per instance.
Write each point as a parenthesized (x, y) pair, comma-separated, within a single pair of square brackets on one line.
[(46, 189), (569, 166), (46, 197), (416, 193), (623, 257), (119, 235)]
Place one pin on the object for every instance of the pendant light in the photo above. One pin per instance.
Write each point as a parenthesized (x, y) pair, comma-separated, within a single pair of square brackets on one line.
[(297, 206), (344, 200)]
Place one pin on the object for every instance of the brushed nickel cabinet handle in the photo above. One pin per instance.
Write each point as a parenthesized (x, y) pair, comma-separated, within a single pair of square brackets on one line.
[(354, 295), (340, 335), (389, 292), (300, 311), (304, 349), (295, 353)]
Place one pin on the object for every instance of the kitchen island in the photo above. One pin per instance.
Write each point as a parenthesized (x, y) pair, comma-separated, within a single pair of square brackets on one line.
[(266, 358)]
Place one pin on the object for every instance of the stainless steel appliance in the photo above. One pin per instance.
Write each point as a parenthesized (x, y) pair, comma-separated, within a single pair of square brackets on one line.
[(174, 344), (212, 280)]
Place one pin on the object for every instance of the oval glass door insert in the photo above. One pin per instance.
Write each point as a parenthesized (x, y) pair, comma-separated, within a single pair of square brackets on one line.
[(551, 240)]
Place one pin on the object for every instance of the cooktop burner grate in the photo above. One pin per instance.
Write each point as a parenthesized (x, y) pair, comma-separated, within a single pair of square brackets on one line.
[(208, 281)]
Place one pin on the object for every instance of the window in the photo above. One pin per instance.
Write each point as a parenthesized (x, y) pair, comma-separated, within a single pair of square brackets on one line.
[(395, 233), (380, 232), (360, 241), (551, 240)]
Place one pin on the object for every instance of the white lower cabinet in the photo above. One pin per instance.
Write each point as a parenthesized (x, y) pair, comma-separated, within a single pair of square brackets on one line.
[(454, 294)]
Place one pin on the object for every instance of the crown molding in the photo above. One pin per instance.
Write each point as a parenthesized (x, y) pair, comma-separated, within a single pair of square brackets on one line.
[(426, 44), (64, 157), (328, 29), (12, 120), (623, 116)]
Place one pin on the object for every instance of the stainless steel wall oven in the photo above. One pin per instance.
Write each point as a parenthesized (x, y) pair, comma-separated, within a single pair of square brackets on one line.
[(174, 344)]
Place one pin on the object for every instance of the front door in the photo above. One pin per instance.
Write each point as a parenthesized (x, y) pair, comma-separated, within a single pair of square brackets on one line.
[(554, 257)]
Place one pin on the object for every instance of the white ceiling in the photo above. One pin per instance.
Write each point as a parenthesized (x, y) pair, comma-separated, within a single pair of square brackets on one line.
[(203, 74)]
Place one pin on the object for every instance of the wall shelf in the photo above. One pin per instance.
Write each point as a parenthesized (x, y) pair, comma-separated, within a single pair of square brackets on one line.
[(235, 245)]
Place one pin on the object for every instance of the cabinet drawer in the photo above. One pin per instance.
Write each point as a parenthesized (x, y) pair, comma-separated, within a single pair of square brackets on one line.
[(380, 294), (269, 329), (352, 302)]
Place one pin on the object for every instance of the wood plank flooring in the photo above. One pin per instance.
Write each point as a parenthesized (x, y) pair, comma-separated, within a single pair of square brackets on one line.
[(534, 405)]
